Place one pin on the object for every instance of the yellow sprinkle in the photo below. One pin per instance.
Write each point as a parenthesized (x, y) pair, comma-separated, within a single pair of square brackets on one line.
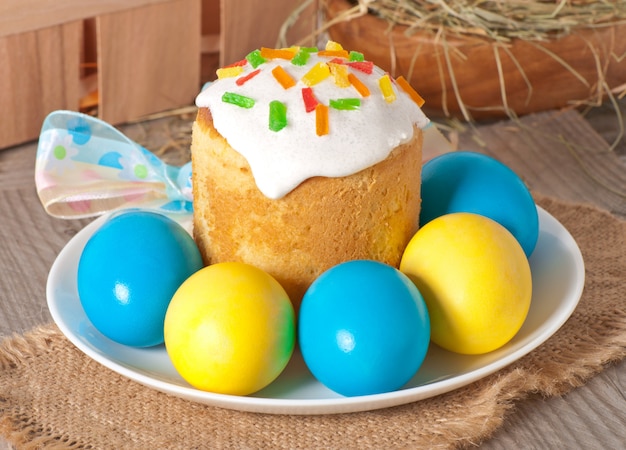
[(406, 87), (340, 74), (358, 85), (317, 73), (228, 72), (333, 46), (384, 83)]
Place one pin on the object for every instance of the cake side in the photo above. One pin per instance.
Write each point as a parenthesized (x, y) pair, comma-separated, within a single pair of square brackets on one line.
[(370, 214)]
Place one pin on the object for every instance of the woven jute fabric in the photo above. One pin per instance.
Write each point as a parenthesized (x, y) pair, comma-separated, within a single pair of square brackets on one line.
[(53, 396)]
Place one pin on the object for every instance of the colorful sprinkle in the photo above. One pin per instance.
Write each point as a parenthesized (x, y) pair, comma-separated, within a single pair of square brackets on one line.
[(283, 78), (356, 56), (317, 73), (242, 80), (228, 72), (238, 100), (255, 59), (278, 115), (340, 64), (340, 74), (321, 119), (362, 66), (345, 104), (310, 102), (406, 87), (384, 83), (358, 85), (277, 53)]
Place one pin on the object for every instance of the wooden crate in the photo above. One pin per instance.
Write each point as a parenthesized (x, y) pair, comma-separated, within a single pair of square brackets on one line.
[(130, 58)]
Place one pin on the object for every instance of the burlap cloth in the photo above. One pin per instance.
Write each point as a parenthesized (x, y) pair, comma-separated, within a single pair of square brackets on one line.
[(51, 395)]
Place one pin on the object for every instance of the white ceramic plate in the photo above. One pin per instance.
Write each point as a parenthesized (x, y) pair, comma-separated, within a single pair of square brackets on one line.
[(558, 277)]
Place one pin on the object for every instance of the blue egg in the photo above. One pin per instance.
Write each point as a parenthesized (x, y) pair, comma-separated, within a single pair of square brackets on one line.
[(128, 272), (363, 328), (477, 183)]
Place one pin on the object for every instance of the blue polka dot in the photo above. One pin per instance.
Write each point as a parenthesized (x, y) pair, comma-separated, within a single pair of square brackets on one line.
[(111, 159), (79, 129)]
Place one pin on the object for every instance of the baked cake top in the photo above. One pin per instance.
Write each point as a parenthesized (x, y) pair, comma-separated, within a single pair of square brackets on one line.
[(299, 112)]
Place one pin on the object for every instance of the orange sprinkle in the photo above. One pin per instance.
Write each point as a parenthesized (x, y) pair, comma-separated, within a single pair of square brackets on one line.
[(277, 53), (406, 87), (334, 53), (321, 119), (358, 85), (281, 75)]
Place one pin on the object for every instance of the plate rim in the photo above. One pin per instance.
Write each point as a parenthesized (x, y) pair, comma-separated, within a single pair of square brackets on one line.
[(330, 405)]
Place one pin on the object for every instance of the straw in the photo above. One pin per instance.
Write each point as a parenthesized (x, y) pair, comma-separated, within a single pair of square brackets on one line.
[(536, 20)]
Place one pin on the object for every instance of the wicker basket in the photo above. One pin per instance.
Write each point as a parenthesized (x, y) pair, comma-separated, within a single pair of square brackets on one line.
[(474, 78)]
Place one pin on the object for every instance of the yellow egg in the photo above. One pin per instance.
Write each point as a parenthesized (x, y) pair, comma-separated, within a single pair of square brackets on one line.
[(475, 279), (230, 329)]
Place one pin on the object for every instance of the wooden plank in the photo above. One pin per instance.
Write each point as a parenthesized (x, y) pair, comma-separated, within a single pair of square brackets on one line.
[(591, 417), (18, 16), (249, 25), (39, 73), (148, 59), (210, 39)]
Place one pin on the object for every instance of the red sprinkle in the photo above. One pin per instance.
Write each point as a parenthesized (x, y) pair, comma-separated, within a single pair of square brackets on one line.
[(242, 62), (337, 61), (241, 80), (310, 102), (364, 66)]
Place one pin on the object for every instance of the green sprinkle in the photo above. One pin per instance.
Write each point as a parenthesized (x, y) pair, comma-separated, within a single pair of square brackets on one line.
[(239, 100), (356, 56), (309, 49), (345, 103), (301, 58), (278, 115), (255, 59)]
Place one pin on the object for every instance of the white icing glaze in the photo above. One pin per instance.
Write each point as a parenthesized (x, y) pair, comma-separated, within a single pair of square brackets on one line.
[(281, 160)]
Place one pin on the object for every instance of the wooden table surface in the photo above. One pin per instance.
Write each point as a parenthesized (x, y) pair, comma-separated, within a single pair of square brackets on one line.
[(562, 154)]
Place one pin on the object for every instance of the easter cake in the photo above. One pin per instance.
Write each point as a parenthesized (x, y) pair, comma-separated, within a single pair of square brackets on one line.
[(303, 159)]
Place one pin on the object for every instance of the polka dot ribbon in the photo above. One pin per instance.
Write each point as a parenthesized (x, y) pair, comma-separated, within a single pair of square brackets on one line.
[(85, 167)]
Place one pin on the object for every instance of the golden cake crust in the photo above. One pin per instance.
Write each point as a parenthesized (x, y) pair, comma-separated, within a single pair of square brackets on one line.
[(371, 214)]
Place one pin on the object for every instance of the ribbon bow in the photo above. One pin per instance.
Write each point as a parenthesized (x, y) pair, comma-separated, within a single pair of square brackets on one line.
[(85, 167)]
